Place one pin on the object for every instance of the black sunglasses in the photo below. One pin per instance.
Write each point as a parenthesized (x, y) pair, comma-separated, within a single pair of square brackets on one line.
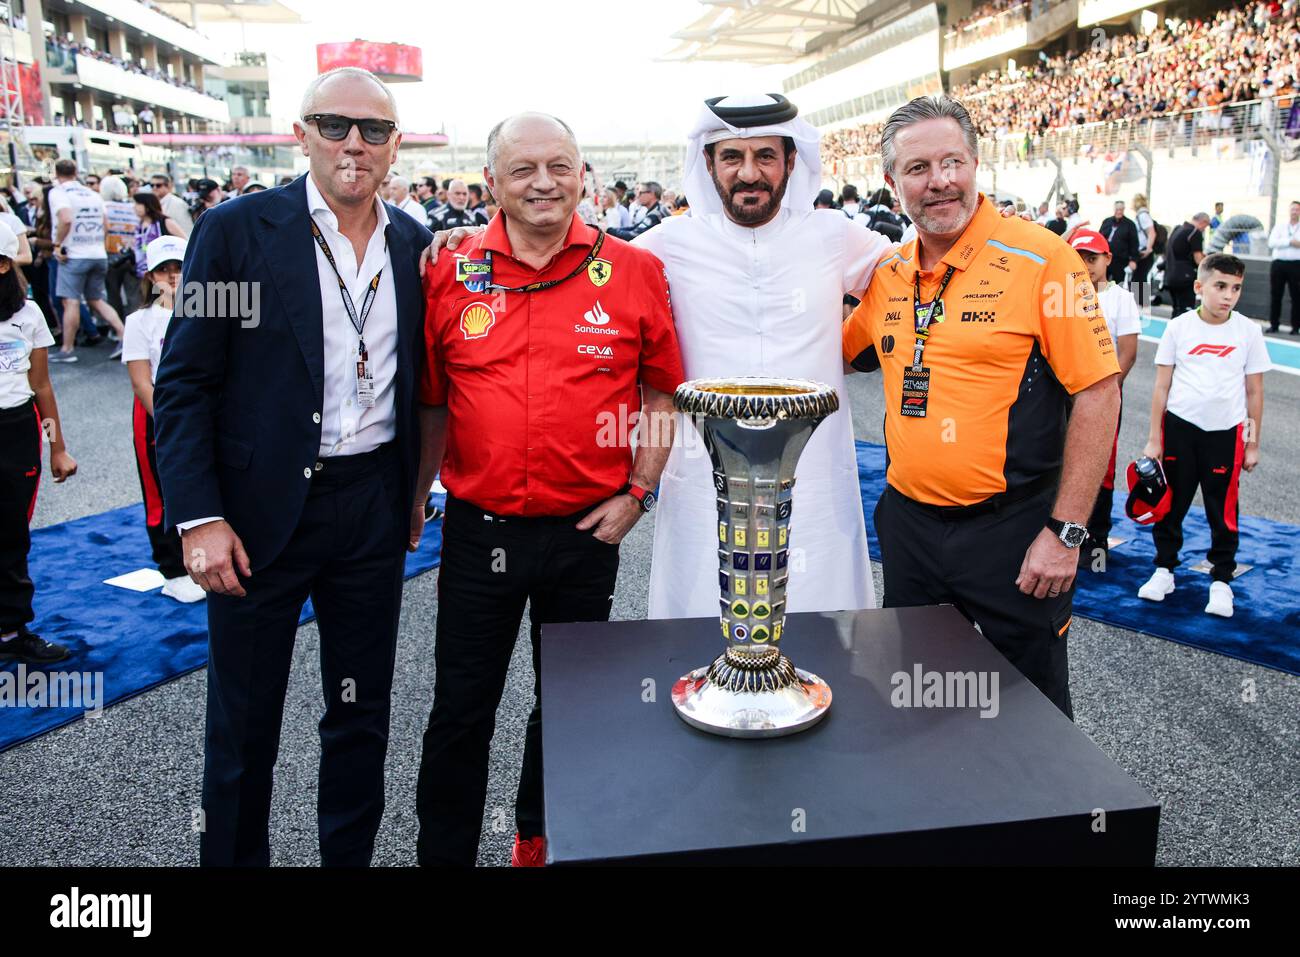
[(335, 127)]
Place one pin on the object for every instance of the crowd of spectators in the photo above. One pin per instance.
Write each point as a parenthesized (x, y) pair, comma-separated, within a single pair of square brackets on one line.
[(61, 52), (1238, 55)]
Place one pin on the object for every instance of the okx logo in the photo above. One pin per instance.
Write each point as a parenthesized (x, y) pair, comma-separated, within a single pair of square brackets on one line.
[(978, 316)]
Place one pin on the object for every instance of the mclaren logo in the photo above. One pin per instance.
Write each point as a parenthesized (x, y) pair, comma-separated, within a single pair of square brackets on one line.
[(978, 316), (476, 320), (596, 315)]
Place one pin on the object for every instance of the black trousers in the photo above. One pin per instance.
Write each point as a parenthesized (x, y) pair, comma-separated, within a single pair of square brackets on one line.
[(972, 563), (1283, 274), (348, 554), (1182, 297), (163, 540), (1210, 461), (490, 567), (1099, 522), (20, 474)]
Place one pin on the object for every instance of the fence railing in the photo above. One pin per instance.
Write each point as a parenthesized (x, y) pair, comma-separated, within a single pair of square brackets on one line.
[(1203, 129)]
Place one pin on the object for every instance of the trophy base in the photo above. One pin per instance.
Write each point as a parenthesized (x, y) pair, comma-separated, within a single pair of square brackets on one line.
[(768, 713)]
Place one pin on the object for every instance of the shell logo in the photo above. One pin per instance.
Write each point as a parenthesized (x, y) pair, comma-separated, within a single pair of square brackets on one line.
[(476, 320)]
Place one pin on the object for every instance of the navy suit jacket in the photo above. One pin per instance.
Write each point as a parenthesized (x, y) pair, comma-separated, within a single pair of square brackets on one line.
[(237, 401)]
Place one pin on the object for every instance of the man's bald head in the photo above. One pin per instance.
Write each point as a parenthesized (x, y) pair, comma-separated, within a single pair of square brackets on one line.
[(523, 127)]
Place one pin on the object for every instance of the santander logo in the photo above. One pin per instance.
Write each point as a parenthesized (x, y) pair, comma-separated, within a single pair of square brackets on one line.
[(596, 315)]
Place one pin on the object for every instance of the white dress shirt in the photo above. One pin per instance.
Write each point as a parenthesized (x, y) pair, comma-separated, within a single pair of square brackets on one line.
[(1279, 241), (346, 428)]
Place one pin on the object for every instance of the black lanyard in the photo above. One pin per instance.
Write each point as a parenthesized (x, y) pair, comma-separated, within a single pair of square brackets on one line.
[(538, 286), (358, 322), (923, 317)]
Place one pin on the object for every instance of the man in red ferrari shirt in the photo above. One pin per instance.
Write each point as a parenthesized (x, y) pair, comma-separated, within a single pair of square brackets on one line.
[(544, 337)]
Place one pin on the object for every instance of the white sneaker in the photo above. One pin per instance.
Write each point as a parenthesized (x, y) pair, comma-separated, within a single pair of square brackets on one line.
[(1220, 600), (183, 589), (1158, 586)]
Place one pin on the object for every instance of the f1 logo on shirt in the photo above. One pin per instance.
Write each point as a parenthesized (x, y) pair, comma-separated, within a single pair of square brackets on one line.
[(1206, 349)]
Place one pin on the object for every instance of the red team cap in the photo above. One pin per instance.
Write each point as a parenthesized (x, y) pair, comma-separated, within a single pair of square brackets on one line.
[(1149, 496), (1089, 241)]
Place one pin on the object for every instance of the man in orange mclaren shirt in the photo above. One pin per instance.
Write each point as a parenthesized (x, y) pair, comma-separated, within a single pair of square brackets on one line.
[(544, 337), (1001, 398)]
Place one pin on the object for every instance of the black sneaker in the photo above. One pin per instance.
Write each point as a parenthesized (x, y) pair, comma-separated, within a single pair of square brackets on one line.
[(32, 649)]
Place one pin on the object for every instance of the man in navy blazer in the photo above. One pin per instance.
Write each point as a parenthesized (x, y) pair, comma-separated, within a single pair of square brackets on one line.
[(287, 444)]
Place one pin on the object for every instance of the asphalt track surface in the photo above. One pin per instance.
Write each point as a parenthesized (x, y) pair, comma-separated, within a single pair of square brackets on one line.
[(122, 790)]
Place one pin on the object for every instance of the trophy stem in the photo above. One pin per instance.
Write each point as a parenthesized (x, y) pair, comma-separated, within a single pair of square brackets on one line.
[(755, 430)]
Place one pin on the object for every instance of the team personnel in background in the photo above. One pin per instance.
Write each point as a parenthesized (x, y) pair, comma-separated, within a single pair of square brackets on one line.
[(983, 328), (123, 285), (27, 406), (287, 446), (152, 224), (1284, 271), (1205, 422), (1183, 254), (399, 194), (1121, 236), (558, 328), (458, 212), (141, 351), (426, 188), (239, 178), (647, 213), (80, 225), (1146, 231), (1124, 323), (616, 215), (171, 204)]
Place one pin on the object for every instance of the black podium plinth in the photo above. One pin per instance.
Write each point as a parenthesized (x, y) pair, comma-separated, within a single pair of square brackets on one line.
[(627, 781)]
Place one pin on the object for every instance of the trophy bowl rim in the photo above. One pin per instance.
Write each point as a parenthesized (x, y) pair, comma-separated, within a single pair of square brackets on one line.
[(710, 396)]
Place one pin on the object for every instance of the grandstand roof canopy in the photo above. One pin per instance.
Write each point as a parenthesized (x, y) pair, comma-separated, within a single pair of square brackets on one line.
[(765, 31)]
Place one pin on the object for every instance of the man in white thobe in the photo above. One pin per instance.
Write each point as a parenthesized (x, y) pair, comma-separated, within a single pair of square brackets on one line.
[(758, 279)]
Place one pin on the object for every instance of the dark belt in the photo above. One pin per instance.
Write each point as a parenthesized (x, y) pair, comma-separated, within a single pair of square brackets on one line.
[(459, 508), (994, 503), (333, 469)]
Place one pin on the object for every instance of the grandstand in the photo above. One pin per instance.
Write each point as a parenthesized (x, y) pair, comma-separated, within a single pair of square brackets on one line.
[(1189, 102)]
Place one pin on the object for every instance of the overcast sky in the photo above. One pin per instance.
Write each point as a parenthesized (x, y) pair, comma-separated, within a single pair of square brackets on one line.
[(591, 62)]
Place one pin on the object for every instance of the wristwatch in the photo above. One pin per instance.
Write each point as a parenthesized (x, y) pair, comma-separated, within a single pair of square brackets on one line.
[(645, 498), (1070, 534)]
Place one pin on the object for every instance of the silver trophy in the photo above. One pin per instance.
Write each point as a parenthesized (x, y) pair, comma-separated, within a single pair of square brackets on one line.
[(755, 430)]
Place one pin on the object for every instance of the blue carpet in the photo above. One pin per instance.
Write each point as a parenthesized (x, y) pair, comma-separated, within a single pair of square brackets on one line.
[(136, 640), (1265, 618)]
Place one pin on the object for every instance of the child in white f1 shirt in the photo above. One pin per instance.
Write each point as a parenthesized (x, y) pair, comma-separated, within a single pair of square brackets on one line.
[(1205, 421), (1124, 323), (141, 349), (28, 411)]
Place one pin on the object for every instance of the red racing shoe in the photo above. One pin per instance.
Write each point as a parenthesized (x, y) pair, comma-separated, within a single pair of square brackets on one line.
[(528, 853)]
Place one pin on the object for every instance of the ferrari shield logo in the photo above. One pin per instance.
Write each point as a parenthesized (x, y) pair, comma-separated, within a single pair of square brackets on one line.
[(599, 271)]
